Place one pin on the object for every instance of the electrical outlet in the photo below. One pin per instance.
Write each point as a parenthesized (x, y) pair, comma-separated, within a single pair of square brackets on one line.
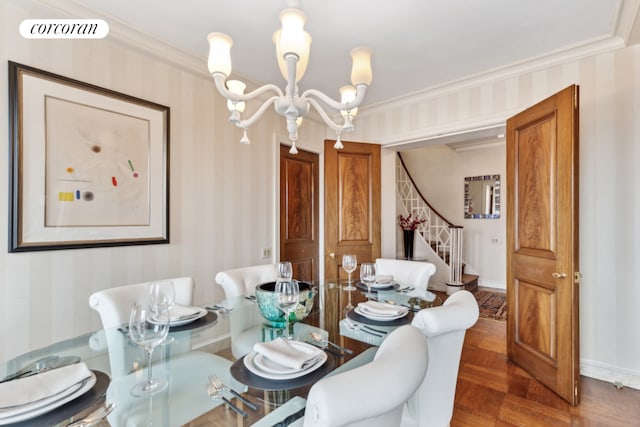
[(266, 252)]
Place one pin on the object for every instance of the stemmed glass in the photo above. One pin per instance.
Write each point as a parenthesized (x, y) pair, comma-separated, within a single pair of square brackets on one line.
[(368, 275), (162, 293), (349, 263), (148, 327), (284, 271), (288, 296)]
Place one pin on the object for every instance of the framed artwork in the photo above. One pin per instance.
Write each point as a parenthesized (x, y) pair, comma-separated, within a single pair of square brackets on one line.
[(89, 167)]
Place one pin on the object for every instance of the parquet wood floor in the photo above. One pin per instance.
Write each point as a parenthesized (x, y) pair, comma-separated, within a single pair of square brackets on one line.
[(492, 391)]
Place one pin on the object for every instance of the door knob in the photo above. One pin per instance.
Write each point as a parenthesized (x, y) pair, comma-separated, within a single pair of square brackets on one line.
[(332, 255), (558, 275)]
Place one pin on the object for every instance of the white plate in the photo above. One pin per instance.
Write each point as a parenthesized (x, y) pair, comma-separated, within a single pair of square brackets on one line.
[(378, 285), (266, 368), (379, 317), (32, 410), (198, 313)]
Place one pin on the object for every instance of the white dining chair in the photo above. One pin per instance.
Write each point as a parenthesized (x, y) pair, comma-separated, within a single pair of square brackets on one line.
[(243, 281), (444, 328), (371, 395), (114, 307), (245, 318), (407, 273)]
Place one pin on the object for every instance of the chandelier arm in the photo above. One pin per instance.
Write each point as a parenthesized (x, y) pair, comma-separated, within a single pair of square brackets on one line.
[(361, 90), (333, 125), (220, 79), (251, 120)]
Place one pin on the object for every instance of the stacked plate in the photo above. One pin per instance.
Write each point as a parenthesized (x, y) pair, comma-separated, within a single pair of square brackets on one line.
[(44, 392), (263, 366), (182, 314), (380, 312)]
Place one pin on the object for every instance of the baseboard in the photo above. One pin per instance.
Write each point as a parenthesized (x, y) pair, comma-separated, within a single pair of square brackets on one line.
[(611, 374), (491, 284)]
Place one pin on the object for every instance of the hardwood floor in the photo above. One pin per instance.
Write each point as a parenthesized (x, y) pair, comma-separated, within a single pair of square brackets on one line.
[(492, 391)]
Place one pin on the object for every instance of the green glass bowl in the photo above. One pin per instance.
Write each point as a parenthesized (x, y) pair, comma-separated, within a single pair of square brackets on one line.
[(268, 303)]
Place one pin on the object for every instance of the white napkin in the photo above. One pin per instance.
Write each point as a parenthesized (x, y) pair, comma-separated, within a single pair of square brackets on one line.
[(285, 354), (384, 279), (381, 309), (22, 391), (178, 312)]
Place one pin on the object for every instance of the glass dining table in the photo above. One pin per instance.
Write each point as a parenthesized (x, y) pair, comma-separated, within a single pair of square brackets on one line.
[(196, 351)]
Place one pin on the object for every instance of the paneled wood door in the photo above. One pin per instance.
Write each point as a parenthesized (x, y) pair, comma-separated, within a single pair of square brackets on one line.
[(352, 204), (299, 212), (542, 242)]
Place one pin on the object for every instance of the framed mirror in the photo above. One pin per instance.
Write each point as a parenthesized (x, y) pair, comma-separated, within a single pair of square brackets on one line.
[(482, 196)]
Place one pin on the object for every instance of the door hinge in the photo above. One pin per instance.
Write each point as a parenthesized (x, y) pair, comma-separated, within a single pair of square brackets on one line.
[(576, 277)]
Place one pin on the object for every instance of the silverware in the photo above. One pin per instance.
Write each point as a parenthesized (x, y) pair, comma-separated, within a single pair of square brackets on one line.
[(218, 309), (218, 384), (357, 327), (213, 392), (369, 328), (41, 365), (95, 417), (319, 339)]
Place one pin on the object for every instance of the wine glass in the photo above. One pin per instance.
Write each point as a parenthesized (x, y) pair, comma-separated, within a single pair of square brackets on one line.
[(163, 294), (288, 296), (368, 275), (148, 328), (349, 263), (284, 271)]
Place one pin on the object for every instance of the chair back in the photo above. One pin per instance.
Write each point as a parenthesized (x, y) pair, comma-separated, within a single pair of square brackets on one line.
[(243, 281), (372, 394), (114, 304), (444, 328), (408, 273)]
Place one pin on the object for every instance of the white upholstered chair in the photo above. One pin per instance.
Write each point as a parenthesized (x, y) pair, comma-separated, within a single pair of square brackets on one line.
[(245, 318), (445, 328), (371, 395), (114, 306), (243, 281), (407, 273)]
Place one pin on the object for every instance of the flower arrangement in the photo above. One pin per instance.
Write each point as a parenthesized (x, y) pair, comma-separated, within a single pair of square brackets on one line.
[(410, 222)]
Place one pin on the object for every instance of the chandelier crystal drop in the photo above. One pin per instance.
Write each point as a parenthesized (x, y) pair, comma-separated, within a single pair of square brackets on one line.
[(292, 51)]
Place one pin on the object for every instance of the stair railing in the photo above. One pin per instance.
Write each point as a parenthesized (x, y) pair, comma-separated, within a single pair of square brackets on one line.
[(444, 237)]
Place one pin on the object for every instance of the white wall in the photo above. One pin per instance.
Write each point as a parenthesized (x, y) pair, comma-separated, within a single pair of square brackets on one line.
[(221, 193), (609, 180), (439, 173)]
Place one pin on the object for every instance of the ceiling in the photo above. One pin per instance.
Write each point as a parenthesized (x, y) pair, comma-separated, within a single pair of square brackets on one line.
[(416, 44)]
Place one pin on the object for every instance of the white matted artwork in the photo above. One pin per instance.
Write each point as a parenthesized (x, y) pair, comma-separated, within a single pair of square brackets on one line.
[(89, 165)]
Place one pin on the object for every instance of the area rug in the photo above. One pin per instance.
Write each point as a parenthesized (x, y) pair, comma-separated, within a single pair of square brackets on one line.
[(493, 304)]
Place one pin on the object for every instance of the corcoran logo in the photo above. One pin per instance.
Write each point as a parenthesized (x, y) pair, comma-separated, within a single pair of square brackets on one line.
[(64, 29)]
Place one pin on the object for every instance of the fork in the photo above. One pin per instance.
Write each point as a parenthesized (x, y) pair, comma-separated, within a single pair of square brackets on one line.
[(214, 393), (355, 327), (220, 386)]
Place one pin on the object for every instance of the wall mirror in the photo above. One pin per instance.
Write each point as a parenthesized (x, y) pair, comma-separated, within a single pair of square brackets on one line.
[(482, 196)]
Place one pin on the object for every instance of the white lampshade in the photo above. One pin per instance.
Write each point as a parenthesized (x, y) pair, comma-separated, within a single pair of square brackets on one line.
[(292, 37), (361, 70), (303, 60), (219, 53), (348, 94), (237, 88)]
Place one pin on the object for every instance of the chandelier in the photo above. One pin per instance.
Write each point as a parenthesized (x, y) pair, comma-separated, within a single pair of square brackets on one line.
[(292, 51)]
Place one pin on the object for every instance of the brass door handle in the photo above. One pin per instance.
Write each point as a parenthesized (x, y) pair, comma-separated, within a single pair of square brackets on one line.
[(558, 275), (332, 255)]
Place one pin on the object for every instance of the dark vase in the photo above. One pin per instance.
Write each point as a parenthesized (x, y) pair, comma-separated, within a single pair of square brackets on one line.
[(408, 243)]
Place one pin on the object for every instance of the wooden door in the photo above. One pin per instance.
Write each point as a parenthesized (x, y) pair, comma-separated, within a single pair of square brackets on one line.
[(299, 212), (542, 242), (352, 204)]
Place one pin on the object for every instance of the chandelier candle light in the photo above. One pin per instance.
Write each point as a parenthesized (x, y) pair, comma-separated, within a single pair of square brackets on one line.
[(292, 50)]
